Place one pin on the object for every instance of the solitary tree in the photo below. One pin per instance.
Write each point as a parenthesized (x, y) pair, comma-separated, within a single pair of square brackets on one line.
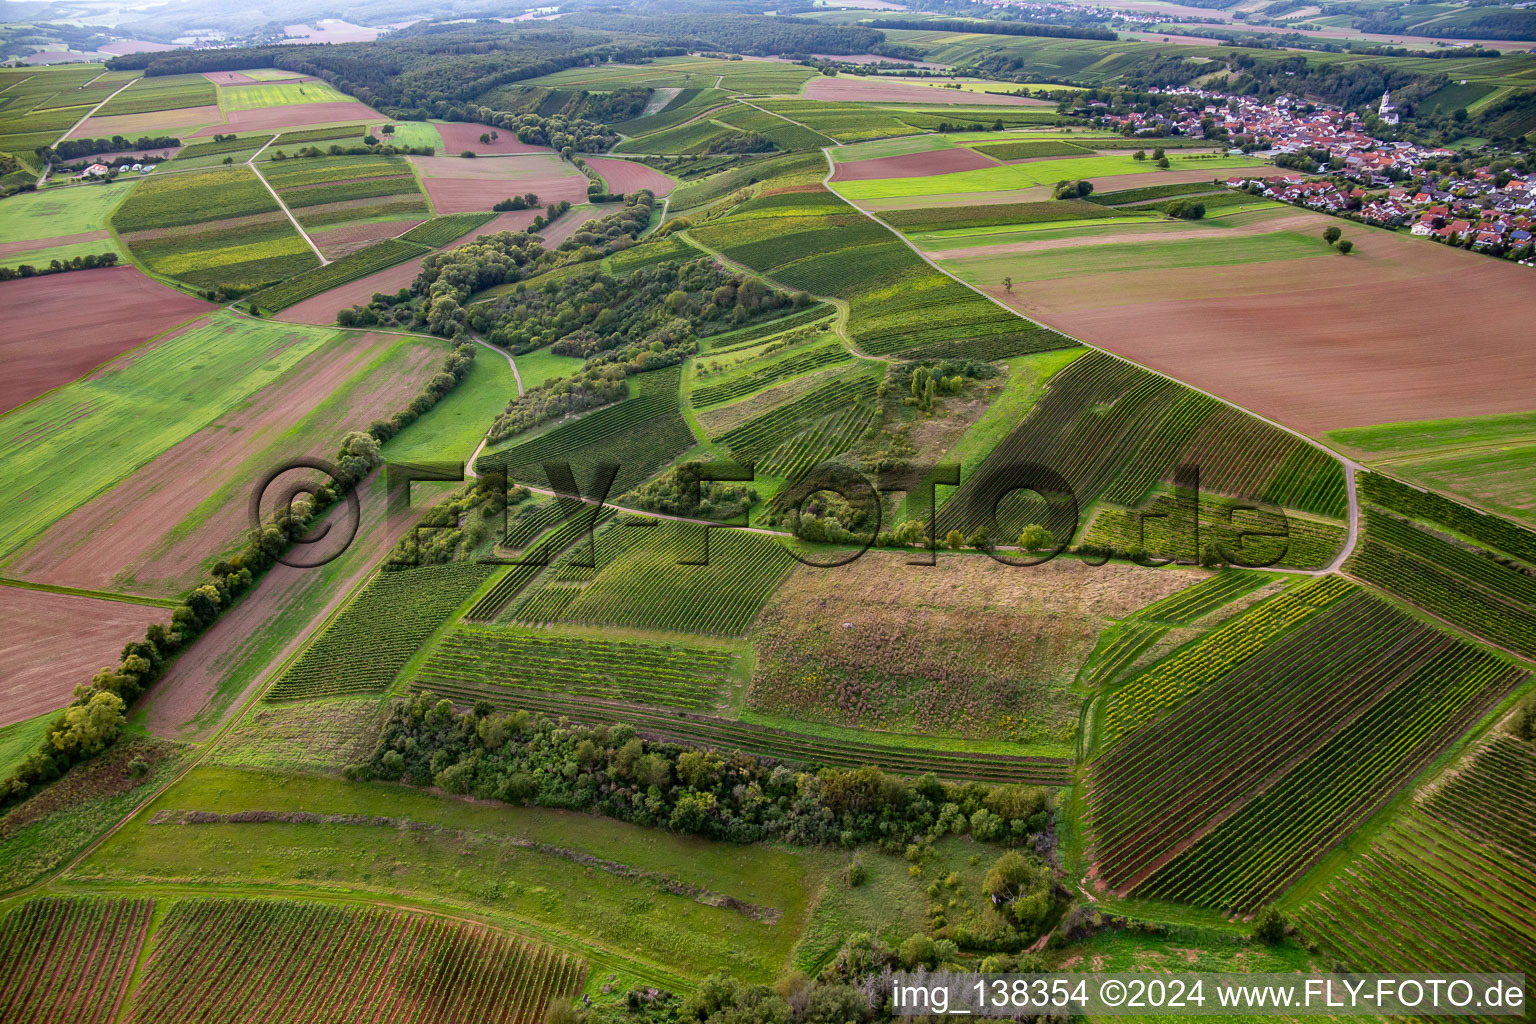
[(1331, 234), (1345, 246), (1162, 162), (1035, 537), (1269, 926), (955, 540), (1140, 154), (1008, 284)]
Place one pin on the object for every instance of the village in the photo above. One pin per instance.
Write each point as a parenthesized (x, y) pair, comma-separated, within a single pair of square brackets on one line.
[(1331, 163)]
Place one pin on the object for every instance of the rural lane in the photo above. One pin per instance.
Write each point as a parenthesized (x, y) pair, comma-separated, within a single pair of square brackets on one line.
[(251, 163)]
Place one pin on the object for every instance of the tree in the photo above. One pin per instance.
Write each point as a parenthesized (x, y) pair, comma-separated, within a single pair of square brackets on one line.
[(1035, 537), (388, 129), (1008, 284), (485, 138), (1158, 154), (87, 729), (955, 540), (1140, 154), (1331, 234), (1021, 888), (1162, 162), (1269, 926), (1345, 246)]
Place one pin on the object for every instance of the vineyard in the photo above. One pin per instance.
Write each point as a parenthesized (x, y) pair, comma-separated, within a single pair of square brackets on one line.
[(1275, 761), (442, 230), (665, 674), (672, 248), (1163, 528), (338, 272), (1175, 679), (366, 646), (942, 218), (824, 440), (1127, 640), (277, 961), (571, 529), (68, 959), (759, 438), (646, 587), (1452, 881), (1473, 591), (175, 200), (1489, 530), (797, 748), (817, 243), (747, 337), (1114, 431), (746, 383), (642, 434)]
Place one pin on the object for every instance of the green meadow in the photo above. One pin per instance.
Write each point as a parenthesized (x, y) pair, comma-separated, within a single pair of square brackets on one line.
[(57, 212), (1122, 257), (1035, 172)]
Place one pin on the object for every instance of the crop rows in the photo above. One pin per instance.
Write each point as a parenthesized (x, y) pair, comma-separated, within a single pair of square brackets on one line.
[(1150, 192), (366, 646), (939, 218), (1424, 896), (1113, 430), (1200, 600), (1272, 764), (670, 675), (533, 520), (760, 378), (816, 444), (746, 337), (672, 248), (756, 439), (1490, 530), (174, 200), (1118, 648), (291, 174), (249, 256), (1489, 797), (68, 958), (442, 230), (1439, 590), (1030, 150), (649, 587), (763, 741), (641, 434), (369, 188), (169, 92), (234, 145), (235, 960), (1176, 678), (533, 562), (338, 272), (1163, 529), (308, 135), (785, 134), (1510, 584)]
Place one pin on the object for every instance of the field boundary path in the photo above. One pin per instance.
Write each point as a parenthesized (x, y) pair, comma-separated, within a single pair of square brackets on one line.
[(251, 163), (1350, 466), (782, 117)]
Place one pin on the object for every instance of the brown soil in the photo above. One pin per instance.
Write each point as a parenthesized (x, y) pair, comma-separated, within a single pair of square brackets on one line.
[(507, 170), (568, 224), (1320, 344), (57, 327), (10, 248), (192, 682), (459, 136), (53, 642), (631, 176), (131, 537), (861, 90), (513, 220), (300, 189), (230, 224), (467, 195), (229, 78), (913, 165), (133, 125), (295, 116)]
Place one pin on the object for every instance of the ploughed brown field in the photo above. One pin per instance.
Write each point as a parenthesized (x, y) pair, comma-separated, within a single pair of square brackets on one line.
[(154, 122), (859, 90), (459, 185), (151, 533), (295, 116), (631, 176), (349, 238), (1400, 329), (459, 136), (913, 165), (54, 641), (568, 224), (57, 327)]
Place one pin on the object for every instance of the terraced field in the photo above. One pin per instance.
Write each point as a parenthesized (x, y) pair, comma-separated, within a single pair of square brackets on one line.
[(813, 241), (1216, 805), (1114, 431)]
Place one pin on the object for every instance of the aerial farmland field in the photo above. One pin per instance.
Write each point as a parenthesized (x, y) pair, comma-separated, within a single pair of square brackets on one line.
[(685, 514)]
